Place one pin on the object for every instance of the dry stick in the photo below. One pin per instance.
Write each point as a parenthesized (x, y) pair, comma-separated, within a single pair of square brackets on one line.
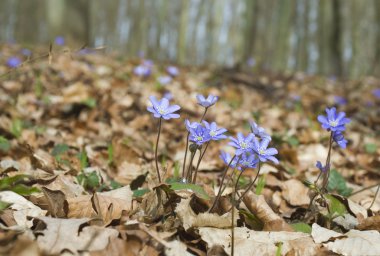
[(373, 201), (199, 162), (155, 153), (220, 188), (364, 189), (187, 145)]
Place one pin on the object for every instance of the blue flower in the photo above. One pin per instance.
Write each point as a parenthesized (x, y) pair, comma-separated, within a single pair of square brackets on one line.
[(215, 132), (339, 139), (26, 52), (242, 144), (334, 121), (259, 131), (321, 167), (14, 62), (142, 70), (59, 40), (173, 71), (248, 161), (168, 95), (191, 125), (227, 158), (199, 135), (164, 80), (211, 100), (376, 93), (161, 109), (340, 100), (263, 152)]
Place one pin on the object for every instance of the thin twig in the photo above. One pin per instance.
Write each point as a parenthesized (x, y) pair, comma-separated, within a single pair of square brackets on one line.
[(374, 198), (364, 189)]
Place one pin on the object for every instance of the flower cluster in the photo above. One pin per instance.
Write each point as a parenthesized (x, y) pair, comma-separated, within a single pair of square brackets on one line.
[(336, 123), (201, 133), (250, 149)]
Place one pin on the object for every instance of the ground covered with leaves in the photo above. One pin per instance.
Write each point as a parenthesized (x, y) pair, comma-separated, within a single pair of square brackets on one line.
[(78, 173)]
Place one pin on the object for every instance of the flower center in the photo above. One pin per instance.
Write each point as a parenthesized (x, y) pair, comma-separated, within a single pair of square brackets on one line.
[(199, 138), (333, 123), (212, 133), (161, 111), (261, 151), (243, 145)]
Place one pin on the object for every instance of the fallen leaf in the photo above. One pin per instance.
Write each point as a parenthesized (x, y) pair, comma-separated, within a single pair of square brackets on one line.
[(57, 235), (295, 192), (370, 223)]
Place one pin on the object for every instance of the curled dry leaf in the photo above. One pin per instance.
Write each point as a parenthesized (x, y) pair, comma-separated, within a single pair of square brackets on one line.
[(57, 235), (354, 242), (22, 208), (295, 193), (190, 219), (258, 206), (371, 223), (106, 205), (249, 242)]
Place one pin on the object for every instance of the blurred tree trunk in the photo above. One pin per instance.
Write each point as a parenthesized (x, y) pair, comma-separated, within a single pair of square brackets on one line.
[(336, 39), (250, 28), (182, 29), (375, 69)]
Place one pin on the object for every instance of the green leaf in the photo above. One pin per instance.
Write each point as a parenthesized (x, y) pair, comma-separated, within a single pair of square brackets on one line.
[(293, 141), (90, 102), (198, 190), (140, 192), (338, 183), (110, 153), (176, 170), (279, 248), (115, 185), (370, 148), (82, 156), (7, 182), (4, 205), (93, 180), (24, 190), (59, 149), (4, 144), (337, 208), (260, 184), (301, 227), (16, 127)]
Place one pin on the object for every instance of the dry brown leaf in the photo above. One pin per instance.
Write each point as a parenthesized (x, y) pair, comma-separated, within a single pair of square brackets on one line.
[(106, 205), (370, 223), (295, 193), (57, 235), (22, 208), (258, 206), (190, 219), (249, 242), (354, 242)]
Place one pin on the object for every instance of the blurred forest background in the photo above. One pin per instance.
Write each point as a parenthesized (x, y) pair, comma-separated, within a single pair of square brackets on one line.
[(327, 37)]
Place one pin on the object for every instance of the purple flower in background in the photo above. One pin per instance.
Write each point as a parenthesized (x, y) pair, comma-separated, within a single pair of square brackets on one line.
[(173, 71), (199, 135), (211, 100), (251, 62), (227, 158), (248, 161), (26, 52), (340, 100), (168, 95), (215, 132), (295, 97), (191, 125), (164, 80), (162, 109), (321, 167), (241, 143), (334, 121), (259, 131), (339, 139), (59, 40), (14, 62), (142, 70), (376, 93), (263, 152)]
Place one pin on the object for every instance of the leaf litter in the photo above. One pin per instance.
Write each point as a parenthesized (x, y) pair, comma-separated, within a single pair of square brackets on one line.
[(78, 142)]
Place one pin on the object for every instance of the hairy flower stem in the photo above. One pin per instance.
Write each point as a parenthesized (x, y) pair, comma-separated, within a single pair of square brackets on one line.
[(232, 223), (237, 182), (199, 162), (326, 173), (187, 145), (220, 188), (156, 150), (184, 160), (190, 168), (250, 185)]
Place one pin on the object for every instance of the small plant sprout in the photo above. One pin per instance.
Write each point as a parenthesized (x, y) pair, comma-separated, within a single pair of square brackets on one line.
[(161, 110), (335, 123)]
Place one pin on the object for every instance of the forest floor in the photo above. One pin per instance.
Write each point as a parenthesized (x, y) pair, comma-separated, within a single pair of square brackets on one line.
[(78, 172)]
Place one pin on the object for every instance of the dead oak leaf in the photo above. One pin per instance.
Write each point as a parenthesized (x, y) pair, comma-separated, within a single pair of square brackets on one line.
[(58, 235), (295, 193)]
